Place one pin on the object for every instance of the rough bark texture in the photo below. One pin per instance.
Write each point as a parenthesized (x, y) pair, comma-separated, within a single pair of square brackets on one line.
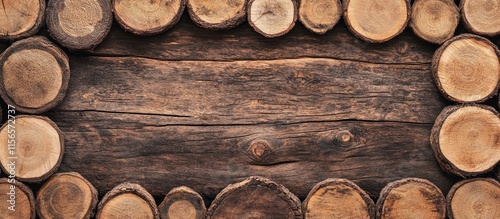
[(320, 16), (217, 14), (148, 17), (338, 198), (34, 75), (481, 16), (21, 18), (272, 18), (66, 195), (182, 203), (127, 200), (411, 198), (24, 200), (39, 148), (434, 20), (474, 198), (79, 24), (376, 21), (255, 197), (466, 69), (465, 139)]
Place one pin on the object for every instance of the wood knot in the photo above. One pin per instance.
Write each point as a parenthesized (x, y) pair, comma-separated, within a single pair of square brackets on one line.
[(344, 137), (260, 150)]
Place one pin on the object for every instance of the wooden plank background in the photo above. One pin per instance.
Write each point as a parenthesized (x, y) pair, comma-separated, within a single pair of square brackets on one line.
[(181, 108)]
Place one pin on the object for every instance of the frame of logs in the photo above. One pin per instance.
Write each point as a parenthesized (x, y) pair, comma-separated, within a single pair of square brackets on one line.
[(465, 137)]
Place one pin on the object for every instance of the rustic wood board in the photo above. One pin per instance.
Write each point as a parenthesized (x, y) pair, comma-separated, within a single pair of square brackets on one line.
[(181, 108)]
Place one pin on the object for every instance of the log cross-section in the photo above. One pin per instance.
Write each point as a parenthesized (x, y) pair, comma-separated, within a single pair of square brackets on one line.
[(21, 18)]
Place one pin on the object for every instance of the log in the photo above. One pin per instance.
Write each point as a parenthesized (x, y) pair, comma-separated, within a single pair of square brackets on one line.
[(338, 198), (466, 69), (481, 16), (37, 151), (255, 197), (148, 17), (411, 198), (272, 18), (474, 198), (465, 139), (376, 21), (34, 75), (18, 201), (66, 195), (21, 18), (434, 21), (127, 200), (182, 203), (320, 16), (217, 15), (79, 24)]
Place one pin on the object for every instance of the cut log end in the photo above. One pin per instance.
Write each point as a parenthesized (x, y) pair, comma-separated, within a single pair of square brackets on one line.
[(182, 203), (434, 20), (79, 24), (128, 200), (376, 21), (474, 198), (216, 14), (24, 18), (34, 75), (272, 18), (39, 147), (338, 197), (255, 197), (22, 197), (481, 16), (411, 198), (466, 69), (319, 16), (465, 139), (148, 17), (53, 198)]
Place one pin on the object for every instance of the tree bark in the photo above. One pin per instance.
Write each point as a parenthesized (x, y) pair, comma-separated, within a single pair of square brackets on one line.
[(411, 198), (338, 198), (34, 75), (138, 17), (217, 14), (465, 139), (320, 16), (466, 69), (376, 21), (128, 200), (182, 203), (272, 18), (21, 18), (434, 21), (66, 195), (255, 197), (474, 198), (22, 197), (39, 147), (481, 16), (79, 24)]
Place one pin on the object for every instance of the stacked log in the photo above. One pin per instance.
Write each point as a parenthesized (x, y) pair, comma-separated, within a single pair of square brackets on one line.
[(255, 197), (148, 17), (481, 16), (79, 24), (127, 200), (182, 203), (320, 16), (434, 20), (338, 198), (66, 195), (24, 18), (467, 69), (474, 198), (272, 18), (37, 151), (18, 201), (217, 14), (34, 75), (411, 198)]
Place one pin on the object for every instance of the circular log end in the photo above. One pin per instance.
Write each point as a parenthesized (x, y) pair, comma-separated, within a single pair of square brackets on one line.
[(481, 16), (182, 202), (474, 198), (24, 18), (320, 16), (272, 18), (127, 200), (434, 20), (18, 200), (216, 14)]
